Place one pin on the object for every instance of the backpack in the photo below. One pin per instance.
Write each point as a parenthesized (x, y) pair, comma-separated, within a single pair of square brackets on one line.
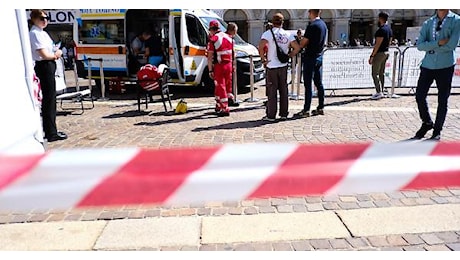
[(148, 77)]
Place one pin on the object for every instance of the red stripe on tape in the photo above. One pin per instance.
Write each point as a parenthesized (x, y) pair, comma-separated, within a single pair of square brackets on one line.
[(311, 170), (12, 168), (442, 178), (150, 177)]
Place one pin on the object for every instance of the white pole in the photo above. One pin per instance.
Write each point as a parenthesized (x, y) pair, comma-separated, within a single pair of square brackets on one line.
[(251, 80)]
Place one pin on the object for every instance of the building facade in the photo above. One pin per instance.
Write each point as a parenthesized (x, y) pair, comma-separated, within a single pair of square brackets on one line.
[(344, 25)]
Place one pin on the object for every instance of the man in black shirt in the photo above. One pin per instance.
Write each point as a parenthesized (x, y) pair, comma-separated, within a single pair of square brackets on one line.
[(313, 42), (380, 54)]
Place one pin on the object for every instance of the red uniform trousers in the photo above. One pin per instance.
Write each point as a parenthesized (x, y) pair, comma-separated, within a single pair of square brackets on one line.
[(223, 84)]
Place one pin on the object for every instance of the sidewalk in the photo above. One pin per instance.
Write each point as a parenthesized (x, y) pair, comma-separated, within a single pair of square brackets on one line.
[(421, 227), (405, 220)]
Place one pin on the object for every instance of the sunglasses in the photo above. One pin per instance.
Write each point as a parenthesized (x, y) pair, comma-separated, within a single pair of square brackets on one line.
[(43, 18), (438, 28)]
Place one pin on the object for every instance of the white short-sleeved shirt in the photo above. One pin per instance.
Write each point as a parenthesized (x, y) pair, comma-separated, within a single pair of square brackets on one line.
[(283, 39), (39, 39)]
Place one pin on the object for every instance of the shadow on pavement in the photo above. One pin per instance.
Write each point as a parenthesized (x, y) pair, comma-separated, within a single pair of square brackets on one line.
[(344, 102), (131, 113), (234, 125), (206, 115)]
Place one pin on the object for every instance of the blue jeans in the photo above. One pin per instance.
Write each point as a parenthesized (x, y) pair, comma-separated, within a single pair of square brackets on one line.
[(312, 70), (443, 79)]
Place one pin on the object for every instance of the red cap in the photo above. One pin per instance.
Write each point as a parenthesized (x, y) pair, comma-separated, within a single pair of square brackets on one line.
[(213, 24)]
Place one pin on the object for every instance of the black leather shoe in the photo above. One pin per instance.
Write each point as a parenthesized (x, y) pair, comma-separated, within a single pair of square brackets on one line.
[(58, 136), (223, 113), (423, 130), (436, 137), (232, 103)]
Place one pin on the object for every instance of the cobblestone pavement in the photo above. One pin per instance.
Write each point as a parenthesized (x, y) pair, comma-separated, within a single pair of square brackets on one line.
[(350, 117)]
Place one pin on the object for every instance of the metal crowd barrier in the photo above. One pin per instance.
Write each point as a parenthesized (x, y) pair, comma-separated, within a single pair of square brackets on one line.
[(348, 68)]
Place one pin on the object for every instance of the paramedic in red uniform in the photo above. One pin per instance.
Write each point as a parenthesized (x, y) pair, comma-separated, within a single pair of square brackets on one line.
[(220, 59)]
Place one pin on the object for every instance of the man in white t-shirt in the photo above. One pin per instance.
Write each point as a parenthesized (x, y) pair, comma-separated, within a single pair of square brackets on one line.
[(276, 78)]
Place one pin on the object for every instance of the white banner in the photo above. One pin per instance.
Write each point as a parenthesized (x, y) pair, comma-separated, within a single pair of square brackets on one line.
[(348, 68), (411, 67)]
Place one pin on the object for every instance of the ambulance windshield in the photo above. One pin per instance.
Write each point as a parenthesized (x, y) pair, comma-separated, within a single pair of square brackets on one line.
[(223, 27)]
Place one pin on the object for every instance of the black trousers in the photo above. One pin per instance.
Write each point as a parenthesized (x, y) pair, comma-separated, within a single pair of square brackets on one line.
[(45, 71), (443, 79)]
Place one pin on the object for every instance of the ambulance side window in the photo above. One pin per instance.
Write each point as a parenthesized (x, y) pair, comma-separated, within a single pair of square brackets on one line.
[(195, 31)]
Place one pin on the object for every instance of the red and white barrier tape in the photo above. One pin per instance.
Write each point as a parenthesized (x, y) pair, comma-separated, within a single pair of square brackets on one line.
[(105, 177)]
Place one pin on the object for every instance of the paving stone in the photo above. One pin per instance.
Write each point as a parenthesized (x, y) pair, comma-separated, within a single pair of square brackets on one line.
[(299, 208), (348, 205), (378, 241), (413, 239), (331, 206), (262, 203), (282, 246), (244, 247), (5, 219), (448, 237), (267, 210), (224, 247), (396, 240), (314, 199), (382, 204), (296, 201), (284, 209), (363, 197), (348, 199), (411, 194), (250, 211), (35, 218), (391, 249), (379, 196), (454, 246), (263, 247), (339, 243), (357, 242), (431, 239), (443, 193), (247, 203), (219, 211), (301, 246), (437, 248), (320, 244), (366, 204), (208, 248), (133, 214), (278, 202), (414, 248), (203, 211)]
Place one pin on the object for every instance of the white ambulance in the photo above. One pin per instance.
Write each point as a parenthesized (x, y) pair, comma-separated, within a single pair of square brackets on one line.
[(107, 34)]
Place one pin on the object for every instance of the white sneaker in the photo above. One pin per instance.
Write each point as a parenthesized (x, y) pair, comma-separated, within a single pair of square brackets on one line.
[(377, 96)]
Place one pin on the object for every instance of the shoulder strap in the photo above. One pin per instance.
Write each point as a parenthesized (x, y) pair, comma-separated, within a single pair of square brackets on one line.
[(274, 38)]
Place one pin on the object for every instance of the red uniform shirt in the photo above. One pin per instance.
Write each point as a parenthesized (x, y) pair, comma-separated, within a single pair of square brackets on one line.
[(222, 44)]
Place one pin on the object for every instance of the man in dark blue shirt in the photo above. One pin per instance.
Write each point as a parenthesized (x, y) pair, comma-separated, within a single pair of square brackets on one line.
[(313, 42), (380, 54)]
